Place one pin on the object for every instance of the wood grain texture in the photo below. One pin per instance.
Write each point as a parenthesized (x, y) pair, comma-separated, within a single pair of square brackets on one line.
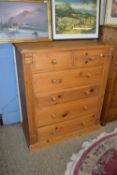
[(49, 81), (46, 99), (64, 83), (65, 111)]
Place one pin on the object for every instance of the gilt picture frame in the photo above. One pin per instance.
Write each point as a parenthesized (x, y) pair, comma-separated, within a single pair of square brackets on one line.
[(111, 13), (75, 19), (25, 21)]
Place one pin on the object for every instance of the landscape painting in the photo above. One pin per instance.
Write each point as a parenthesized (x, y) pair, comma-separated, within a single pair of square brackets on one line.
[(23, 21), (75, 18)]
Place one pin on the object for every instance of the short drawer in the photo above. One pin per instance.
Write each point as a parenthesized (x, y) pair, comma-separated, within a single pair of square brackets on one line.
[(66, 111), (44, 82), (64, 128), (91, 57), (50, 61), (47, 99)]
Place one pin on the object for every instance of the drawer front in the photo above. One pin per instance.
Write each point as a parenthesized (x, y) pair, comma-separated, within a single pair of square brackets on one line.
[(89, 57), (64, 128), (65, 111), (47, 99), (50, 81), (49, 61)]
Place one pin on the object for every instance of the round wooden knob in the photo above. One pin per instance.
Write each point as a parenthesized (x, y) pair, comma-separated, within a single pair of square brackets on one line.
[(54, 61), (83, 123), (91, 58), (102, 55), (53, 98), (54, 81), (87, 92), (65, 114), (85, 108), (88, 75)]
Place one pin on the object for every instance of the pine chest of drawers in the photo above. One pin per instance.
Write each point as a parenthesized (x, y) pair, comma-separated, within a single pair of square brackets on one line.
[(62, 85)]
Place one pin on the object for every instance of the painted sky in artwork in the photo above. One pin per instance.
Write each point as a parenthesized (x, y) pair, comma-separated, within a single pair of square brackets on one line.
[(14, 8), (77, 4)]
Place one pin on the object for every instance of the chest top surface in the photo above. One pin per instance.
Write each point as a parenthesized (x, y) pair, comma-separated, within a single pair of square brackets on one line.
[(59, 45)]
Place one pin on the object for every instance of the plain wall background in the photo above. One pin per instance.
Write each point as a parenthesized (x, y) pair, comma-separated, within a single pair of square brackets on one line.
[(9, 106)]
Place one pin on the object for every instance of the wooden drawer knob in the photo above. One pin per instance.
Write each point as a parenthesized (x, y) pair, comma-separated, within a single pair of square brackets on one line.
[(88, 75), (87, 92), (85, 108), (55, 81), (65, 114), (54, 61), (83, 123), (53, 98), (55, 130), (91, 58), (102, 55)]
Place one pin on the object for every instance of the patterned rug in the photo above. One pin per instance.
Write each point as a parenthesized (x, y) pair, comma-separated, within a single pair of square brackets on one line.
[(98, 157)]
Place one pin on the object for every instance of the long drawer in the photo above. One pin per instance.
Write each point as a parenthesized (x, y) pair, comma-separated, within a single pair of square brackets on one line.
[(67, 127), (49, 81), (47, 99), (66, 111)]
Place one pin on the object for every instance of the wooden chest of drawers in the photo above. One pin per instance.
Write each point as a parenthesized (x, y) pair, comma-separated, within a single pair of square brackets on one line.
[(62, 85)]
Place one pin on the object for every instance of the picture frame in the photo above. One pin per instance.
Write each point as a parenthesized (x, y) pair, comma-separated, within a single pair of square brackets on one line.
[(25, 21), (111, 13), (102, 11), (75, 19)]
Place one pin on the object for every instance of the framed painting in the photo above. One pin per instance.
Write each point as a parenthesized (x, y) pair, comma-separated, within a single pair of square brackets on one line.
[(111, 13), (75, 19), (24, 21)]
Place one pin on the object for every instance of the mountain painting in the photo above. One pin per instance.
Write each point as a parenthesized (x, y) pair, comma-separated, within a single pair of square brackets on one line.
[(76, 16), (23, 20)]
